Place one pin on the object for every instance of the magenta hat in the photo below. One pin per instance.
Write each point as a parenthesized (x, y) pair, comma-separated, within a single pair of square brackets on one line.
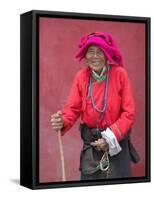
[(105, 42)]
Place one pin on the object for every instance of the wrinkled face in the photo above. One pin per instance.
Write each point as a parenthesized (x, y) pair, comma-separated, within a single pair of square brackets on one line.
[(95, 58)]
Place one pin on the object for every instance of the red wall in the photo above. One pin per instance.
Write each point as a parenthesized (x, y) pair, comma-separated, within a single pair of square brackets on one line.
[(58, 45)]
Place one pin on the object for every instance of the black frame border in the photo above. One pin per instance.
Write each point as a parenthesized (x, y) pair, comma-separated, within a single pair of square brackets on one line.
[(29, 98)]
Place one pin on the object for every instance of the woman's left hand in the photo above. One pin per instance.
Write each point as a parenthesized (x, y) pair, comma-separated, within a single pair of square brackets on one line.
[(100, 144)]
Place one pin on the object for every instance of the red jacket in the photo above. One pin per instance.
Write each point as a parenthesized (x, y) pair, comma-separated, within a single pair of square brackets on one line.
[(120, 110)]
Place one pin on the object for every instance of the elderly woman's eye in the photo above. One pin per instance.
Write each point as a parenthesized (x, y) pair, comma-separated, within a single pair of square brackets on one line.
[(101, 53), (90, 52)]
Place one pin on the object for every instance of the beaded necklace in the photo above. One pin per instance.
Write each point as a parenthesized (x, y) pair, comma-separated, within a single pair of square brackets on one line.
[(104, 96)]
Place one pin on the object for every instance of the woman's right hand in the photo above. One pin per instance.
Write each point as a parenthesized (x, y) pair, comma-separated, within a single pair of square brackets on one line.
[(57, 121)]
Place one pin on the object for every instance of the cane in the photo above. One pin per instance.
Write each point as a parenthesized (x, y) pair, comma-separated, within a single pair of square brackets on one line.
[(61, 156)]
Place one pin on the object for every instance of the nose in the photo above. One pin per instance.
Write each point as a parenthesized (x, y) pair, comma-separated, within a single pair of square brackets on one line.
[(95, 54)]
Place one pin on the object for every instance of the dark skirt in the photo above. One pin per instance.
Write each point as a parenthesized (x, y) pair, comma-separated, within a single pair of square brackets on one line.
[(119, 165)]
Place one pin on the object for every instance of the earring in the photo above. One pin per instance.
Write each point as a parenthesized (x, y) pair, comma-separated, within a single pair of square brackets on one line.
[(108, 62)]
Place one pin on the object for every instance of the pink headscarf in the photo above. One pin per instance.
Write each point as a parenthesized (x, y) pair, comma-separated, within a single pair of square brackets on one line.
[(105, 42)]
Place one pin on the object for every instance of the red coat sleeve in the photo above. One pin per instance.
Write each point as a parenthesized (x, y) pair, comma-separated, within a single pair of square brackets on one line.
[(72, 108), (127, 115)]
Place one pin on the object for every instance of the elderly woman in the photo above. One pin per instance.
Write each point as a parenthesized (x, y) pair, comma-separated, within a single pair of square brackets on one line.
[(101, 95)]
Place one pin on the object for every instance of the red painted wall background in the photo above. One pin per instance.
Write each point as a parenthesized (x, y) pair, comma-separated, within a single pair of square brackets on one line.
[(58, 45)]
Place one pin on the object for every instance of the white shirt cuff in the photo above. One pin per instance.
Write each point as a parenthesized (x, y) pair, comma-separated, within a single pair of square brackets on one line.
[(114, 147)]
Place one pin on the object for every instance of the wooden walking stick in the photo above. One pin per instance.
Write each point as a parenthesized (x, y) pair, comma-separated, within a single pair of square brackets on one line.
[(61, 156)]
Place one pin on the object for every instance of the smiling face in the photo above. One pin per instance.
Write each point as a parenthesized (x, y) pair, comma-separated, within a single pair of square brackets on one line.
[(95, 58)]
